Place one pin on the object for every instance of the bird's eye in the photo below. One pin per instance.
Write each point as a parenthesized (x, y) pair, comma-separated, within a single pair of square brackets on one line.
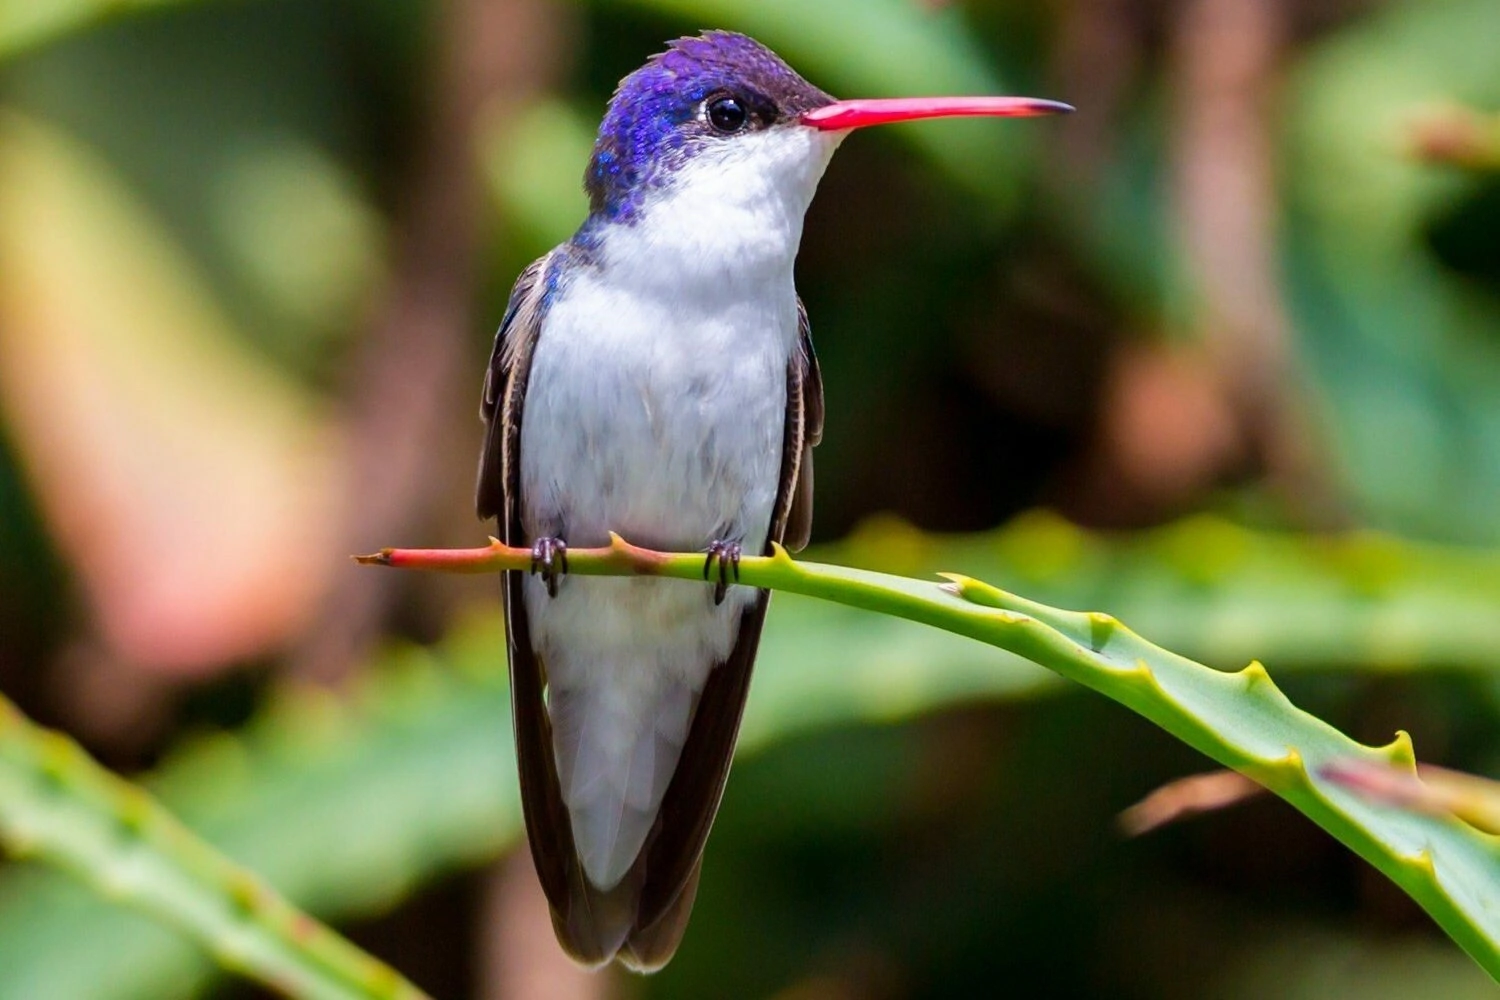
[(727, 115)]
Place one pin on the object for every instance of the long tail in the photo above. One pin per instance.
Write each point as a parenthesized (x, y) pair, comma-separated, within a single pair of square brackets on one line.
[(650, 873)]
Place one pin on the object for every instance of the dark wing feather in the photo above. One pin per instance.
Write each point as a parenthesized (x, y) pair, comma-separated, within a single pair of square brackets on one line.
[(504, 390), (670, 862), (805, 392)]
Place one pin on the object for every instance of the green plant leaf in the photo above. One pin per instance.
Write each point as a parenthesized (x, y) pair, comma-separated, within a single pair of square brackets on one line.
[(55, 801), (27, 23), (412, 777)]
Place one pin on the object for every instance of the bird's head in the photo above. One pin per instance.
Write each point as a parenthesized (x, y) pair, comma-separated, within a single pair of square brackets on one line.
[(721, 99), (715, 101), (720, 144)]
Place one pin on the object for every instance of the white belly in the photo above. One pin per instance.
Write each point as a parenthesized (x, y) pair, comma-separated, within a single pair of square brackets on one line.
[(662, 421)]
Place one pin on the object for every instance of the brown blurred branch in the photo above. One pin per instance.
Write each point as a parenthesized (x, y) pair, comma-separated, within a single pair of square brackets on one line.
[(1185, 797), (1098, 54), (413, 390), (1177, 421), (1226, 55)]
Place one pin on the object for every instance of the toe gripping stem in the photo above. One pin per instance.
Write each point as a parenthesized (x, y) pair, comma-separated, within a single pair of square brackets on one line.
[(549, 558), (727, 556)]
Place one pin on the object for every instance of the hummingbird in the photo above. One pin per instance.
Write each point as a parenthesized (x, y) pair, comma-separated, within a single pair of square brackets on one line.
[(654, 376)]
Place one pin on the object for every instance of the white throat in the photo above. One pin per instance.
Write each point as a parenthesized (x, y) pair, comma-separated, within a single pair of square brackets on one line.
[(728, 219)]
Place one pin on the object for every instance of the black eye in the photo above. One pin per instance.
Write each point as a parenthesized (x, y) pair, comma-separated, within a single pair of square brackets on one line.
[(727, 115)]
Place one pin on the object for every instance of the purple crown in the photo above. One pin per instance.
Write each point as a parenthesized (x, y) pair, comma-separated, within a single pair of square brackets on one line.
[(648, 129)]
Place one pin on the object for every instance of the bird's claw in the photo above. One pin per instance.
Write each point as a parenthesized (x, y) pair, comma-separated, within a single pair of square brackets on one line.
[(727, 555), (549, 557)]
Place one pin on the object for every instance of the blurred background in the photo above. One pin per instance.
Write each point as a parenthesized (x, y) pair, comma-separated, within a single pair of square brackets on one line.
[(1220, 353)]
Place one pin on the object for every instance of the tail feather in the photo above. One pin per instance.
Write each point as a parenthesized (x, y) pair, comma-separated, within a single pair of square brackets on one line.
[(637, 917), (651, 947), (614, 766)]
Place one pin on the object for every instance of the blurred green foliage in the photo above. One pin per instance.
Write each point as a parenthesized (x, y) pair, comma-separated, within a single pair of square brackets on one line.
[(973, 288), (1386, 268)]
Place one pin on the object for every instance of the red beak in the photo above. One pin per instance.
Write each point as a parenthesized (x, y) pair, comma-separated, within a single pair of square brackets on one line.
[(857, 114)]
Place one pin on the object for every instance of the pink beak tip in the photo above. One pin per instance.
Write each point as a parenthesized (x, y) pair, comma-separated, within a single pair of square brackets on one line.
[(842, 115)]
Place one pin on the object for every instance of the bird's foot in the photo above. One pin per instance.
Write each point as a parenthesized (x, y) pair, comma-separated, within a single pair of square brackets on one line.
[(549, 557), (727, 555)]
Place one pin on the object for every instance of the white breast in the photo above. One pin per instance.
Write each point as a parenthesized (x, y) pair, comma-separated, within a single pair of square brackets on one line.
[(659, 419)]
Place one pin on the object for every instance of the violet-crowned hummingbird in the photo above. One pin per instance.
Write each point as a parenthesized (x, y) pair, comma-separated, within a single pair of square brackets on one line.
[(654, 376)]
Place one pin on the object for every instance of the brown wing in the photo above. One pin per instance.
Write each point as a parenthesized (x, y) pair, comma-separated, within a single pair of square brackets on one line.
[(674, 853), (804, 392), (504, 389)]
